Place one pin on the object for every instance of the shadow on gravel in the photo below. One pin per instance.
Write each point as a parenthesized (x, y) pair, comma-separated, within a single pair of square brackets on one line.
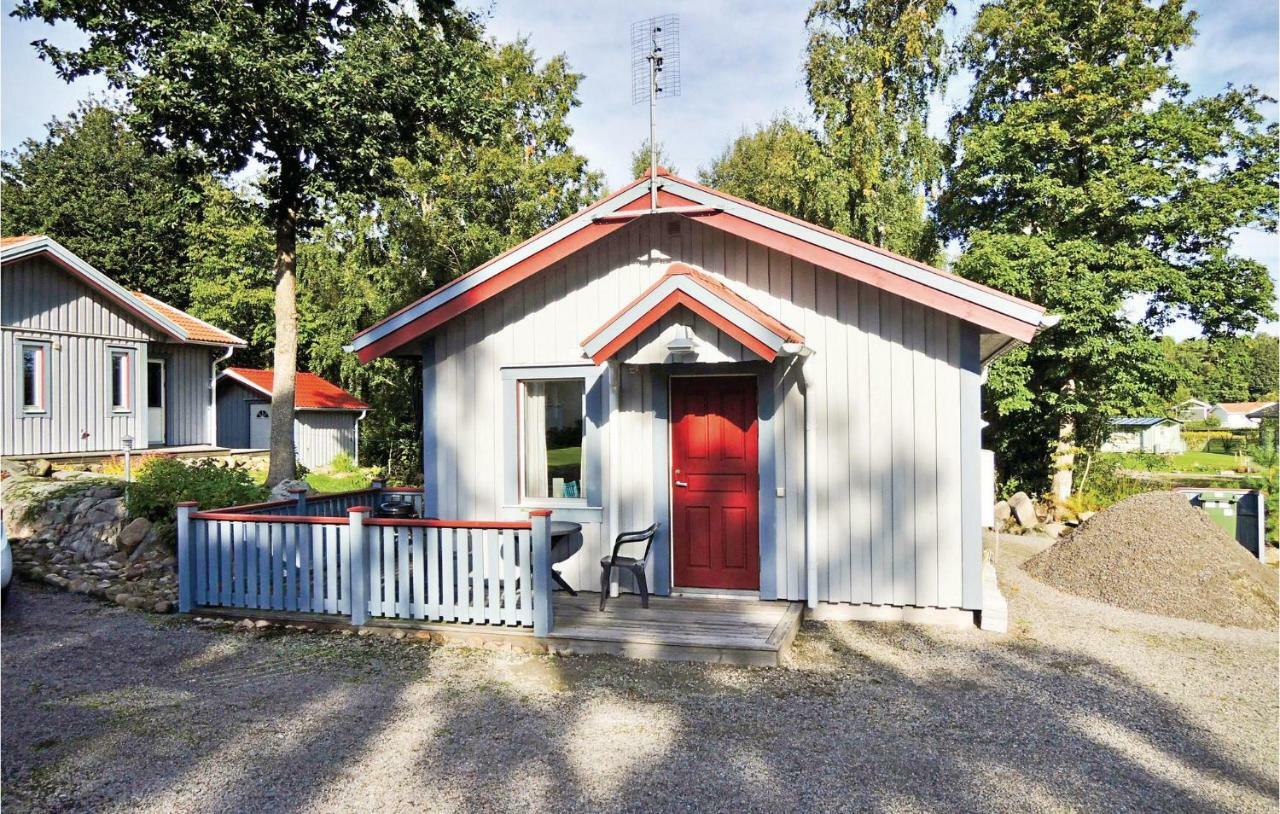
[(104, 707)]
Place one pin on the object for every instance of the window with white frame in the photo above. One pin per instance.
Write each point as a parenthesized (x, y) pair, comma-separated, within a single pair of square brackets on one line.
[(552, 439), (35, 376), (121, 381)]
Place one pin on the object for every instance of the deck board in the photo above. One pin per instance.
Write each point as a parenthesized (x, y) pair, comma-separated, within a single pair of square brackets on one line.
[(708, 629)]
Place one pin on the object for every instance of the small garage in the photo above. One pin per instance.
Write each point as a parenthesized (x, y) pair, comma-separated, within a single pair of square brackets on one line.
[(326, 418)]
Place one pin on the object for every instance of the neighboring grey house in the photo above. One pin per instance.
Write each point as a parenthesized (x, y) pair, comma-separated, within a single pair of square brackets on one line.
[(1145, 434), (798, 411), (86, 363), (326, 417), (1238, 415), (1193, 410)]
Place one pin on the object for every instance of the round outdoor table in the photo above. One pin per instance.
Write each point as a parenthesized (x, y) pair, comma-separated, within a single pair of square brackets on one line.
[(562, 534)]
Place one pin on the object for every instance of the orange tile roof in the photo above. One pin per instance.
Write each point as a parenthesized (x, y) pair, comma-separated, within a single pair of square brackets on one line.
[(1244, 406), (6, 242), (197, 330), (310, 391)]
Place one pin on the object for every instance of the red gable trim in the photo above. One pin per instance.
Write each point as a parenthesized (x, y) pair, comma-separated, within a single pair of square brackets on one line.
[(879, 278), (680, 297), (955, 304), (669, 303), (520, 271)]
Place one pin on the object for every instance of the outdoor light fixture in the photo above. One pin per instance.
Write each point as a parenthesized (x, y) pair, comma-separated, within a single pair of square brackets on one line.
[(127, 442), (682, 345)]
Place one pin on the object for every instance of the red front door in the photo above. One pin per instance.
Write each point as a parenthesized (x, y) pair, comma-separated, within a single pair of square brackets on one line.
[(715, 482)]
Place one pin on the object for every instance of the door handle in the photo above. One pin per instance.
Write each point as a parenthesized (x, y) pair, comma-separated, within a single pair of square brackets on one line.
[(681, 483)]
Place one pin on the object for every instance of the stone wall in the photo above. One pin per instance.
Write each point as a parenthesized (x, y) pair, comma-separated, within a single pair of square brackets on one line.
[(71, 530)]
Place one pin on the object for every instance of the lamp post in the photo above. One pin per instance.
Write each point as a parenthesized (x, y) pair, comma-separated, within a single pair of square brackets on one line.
[(127, 441)]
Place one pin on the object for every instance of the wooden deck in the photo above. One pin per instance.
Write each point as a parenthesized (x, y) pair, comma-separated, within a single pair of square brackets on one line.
[(735, 631), (702, 629)]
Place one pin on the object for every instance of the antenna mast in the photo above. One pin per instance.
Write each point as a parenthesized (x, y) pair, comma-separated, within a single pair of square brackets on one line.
[(655, 74)]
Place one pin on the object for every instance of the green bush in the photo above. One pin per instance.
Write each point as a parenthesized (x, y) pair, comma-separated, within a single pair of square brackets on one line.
[(342, 463), (1106, 485), (169, 481), (1197, 441)]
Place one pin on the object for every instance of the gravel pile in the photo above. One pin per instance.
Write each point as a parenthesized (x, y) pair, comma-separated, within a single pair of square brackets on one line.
[(1156, 553)]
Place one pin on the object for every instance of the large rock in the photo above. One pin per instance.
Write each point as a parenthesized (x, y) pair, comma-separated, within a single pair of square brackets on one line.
[(40, 468), (1024, 510), (1002, 513), (133, 534), (285, 489)]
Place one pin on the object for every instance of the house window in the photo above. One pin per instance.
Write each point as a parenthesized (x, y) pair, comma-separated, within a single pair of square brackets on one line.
[(552, 433), (121, 379), (551, 438), (35, 376)]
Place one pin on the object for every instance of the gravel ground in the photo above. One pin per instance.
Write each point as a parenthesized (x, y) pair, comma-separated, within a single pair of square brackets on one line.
[(1081, 707), (1156, 553)]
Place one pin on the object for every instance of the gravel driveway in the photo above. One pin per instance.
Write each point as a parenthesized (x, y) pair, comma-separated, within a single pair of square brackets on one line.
[(1081, 706)]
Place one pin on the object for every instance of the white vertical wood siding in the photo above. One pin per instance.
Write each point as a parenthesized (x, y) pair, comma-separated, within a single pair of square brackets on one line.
[(318, 434), (189, 373), (40, 300), (898, 393), (321, 434)]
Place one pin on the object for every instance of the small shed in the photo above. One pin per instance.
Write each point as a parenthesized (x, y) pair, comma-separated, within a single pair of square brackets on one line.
[(326, 421), (1145, 434)]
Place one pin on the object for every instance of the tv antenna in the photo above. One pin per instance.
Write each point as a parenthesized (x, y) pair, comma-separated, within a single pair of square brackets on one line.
[(655, 74)]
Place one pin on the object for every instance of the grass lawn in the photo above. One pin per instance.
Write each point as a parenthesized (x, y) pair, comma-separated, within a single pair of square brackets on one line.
[(1205, 462), (339, 482), (563, 456)]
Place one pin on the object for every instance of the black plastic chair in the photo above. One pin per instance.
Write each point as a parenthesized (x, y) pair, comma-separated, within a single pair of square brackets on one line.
[(633, 564)]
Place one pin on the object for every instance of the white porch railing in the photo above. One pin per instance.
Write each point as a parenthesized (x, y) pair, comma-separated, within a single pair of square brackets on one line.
[(255, 557)]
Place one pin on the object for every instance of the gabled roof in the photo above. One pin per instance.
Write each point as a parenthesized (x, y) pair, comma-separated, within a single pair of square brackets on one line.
[(991, 310), (1142, 421), (1243, 407), (1271, 410), (704, 295), (198, 331), (310, 391), (174, 323)]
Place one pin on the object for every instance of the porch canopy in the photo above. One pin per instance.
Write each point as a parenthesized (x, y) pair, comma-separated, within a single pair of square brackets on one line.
[(685, 287)]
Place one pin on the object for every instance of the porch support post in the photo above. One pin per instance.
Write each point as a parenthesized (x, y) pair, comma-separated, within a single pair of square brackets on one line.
[(186, 557), (811, 387), (615, 452), (358, 567), (543, 617)]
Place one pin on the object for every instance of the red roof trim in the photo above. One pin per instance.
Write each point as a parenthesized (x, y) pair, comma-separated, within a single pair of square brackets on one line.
[(859, 270), (496, 258), (520, 271), (877, 277), (669, 303)]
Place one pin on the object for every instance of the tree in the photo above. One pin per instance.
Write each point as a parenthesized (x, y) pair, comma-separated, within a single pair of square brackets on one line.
[(449, 212), (782, 166), (640, 160), (322, 94), (230, 256), (91, 185), (1085, 179), (871, 68)]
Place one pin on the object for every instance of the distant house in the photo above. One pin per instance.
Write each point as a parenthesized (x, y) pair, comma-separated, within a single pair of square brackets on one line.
[(87, 364), (1145, 434), (1235, 415), (326, 421), (1192, 410)]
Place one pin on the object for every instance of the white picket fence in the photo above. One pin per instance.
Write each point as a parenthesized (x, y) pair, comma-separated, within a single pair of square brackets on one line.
[(253, 557)]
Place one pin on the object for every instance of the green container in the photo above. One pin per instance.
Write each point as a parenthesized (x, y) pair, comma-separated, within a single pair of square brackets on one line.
[(1238, 512)]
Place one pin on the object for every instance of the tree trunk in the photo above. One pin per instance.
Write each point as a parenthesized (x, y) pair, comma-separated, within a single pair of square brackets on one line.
[(283, 456), (1064, 454)]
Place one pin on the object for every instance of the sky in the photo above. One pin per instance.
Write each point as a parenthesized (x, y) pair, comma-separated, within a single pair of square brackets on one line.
[(741, 64)]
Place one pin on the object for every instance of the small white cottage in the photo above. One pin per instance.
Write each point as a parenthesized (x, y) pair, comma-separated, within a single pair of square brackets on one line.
[(326, 419), (796, 410), (88, 365), (1145, 434)]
